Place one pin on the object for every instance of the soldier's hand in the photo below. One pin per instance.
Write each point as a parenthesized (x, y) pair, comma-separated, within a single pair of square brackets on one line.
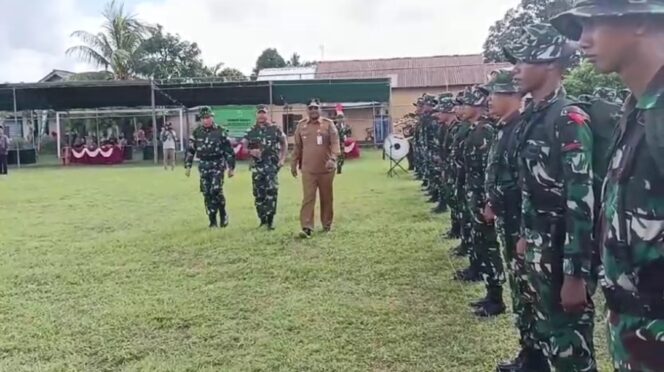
[(294, 171), (521, 247), (573, 295), (331, 165), (187, 172), (256, 153), (231, 173)]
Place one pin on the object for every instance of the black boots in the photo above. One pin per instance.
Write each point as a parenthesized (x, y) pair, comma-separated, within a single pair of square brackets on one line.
[(213, 221), (460, 251), (270, 223), (528, 360), (441, 207), (493, 305), (223, 218), (468, 275)]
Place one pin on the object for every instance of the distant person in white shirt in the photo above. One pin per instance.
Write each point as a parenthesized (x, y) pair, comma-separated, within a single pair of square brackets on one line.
[(168, 137)]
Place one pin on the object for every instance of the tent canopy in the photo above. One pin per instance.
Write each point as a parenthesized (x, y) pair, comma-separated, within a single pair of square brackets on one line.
[(137, 93)]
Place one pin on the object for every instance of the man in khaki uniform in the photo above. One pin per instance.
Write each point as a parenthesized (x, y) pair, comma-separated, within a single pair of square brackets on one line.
[(315, 154)]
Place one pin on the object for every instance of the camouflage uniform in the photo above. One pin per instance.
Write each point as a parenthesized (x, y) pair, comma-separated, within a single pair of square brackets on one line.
[(504, 196), (443, 165), (632, 218), (265, 169), (215, 152), (555, 172), (449, 180), (485, 252), (344, 133), (462, 129)]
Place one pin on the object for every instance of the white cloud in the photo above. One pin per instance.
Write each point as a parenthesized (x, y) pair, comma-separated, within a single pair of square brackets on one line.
[(34, 38), (236, 32)]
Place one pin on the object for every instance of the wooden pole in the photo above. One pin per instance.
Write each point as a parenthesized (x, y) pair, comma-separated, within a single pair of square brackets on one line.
[(154, 124)]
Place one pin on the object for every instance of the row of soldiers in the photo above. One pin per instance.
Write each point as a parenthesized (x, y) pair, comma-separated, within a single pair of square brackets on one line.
[(572, 187)]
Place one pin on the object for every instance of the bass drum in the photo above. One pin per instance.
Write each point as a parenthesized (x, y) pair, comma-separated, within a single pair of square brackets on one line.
[(396, 147)]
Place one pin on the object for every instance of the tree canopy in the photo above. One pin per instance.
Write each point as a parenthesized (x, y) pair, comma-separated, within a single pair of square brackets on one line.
[(526, 13), (584, 79), (270, 58), (166, 56), (115, 47)]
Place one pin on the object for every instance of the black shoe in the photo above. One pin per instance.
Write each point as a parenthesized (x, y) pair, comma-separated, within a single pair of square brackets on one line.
[(433, 199), (270, 223), (452, 234), (468, 275), (223, 218), (536, 361), (460, 251), (327, 229), (213, 222), (518, 364), (480, 303), (440, 209), (490, 309), (305, 234), (263, 223)]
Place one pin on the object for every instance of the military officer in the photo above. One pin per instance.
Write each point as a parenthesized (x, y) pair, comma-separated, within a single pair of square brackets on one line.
[(212, 146), (268, 148)]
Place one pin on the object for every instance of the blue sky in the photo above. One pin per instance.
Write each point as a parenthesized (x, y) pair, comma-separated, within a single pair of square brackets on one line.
[(235, 32)]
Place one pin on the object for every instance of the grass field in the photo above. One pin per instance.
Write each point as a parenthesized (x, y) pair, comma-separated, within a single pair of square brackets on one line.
[(113, 269)]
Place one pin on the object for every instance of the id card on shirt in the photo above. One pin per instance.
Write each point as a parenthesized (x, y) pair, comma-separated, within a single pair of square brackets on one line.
[(319, 140)]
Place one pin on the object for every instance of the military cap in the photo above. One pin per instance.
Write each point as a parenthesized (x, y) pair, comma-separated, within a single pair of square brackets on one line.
[(429, 100), (419, 102), (261, 108), (569, 22), (446, 103), (538, 43), (475, 97), (314, 102), (502, 82), (205, 112)]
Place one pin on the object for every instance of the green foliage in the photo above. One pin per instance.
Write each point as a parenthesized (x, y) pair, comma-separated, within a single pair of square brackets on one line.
[(166, 56), (116, 46), (227, 73), (507, 29), (584, 79), (270, 58)]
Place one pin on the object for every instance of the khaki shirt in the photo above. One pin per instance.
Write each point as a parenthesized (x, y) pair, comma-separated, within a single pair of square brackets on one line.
[(316, 143)]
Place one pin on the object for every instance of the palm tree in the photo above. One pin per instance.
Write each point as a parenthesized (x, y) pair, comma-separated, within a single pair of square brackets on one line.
[(116, 46)]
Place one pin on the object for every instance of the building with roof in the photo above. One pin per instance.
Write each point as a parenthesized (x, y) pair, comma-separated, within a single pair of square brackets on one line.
[(287, 73), (411, 77)]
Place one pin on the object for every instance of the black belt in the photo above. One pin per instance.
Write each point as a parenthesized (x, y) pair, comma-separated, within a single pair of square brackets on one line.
[(633, 303)]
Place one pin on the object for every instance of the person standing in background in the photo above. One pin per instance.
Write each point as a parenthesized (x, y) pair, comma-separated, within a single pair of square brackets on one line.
[(344, 133), (168, 137), (4, 150), (315, 154)]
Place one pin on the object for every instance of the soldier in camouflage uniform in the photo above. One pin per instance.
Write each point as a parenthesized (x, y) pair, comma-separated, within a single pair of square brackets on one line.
[(344, 133), (555, 171), (627, 37), (429, 140), (212, 146), (443, 117), (268, 149), (417, 141), (504, 206), (485, 254), (472, 273), (447, 113)]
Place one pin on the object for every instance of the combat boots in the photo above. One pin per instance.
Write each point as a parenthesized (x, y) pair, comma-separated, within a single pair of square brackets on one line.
[(213, 221), (494, 306), (270, 223), (460, 251), (223, 218), (441, 207), (528, 360), (468, 275)]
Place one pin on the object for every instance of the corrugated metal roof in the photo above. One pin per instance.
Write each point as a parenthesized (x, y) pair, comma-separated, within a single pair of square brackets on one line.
[(414, 72)]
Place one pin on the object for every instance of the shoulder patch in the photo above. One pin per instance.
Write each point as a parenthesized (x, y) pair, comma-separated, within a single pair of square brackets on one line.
[(576, 115)]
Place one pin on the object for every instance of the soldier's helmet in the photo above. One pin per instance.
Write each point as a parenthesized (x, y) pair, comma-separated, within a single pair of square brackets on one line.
[(569, 22), (539, 43), (205, 112), (475, 97), (446, 103), (501, 83)]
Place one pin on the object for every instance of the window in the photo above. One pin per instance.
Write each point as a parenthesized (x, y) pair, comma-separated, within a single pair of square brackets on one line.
[(290, 123)]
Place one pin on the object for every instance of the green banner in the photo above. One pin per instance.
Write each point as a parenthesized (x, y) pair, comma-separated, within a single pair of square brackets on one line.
[(236, 119)]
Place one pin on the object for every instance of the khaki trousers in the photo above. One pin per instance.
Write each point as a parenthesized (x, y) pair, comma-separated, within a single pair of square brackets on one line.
[(323, 183)]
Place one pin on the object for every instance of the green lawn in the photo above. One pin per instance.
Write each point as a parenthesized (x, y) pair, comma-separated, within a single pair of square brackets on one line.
[(113, 269)]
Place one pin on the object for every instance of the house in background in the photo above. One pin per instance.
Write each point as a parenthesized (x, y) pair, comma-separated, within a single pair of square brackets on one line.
[(411, 77), (56, 76)]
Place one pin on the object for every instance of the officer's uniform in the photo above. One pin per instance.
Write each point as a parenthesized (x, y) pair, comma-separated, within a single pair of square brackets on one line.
[(265, 168), (555, 171), (216, 154), (632, 218)]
